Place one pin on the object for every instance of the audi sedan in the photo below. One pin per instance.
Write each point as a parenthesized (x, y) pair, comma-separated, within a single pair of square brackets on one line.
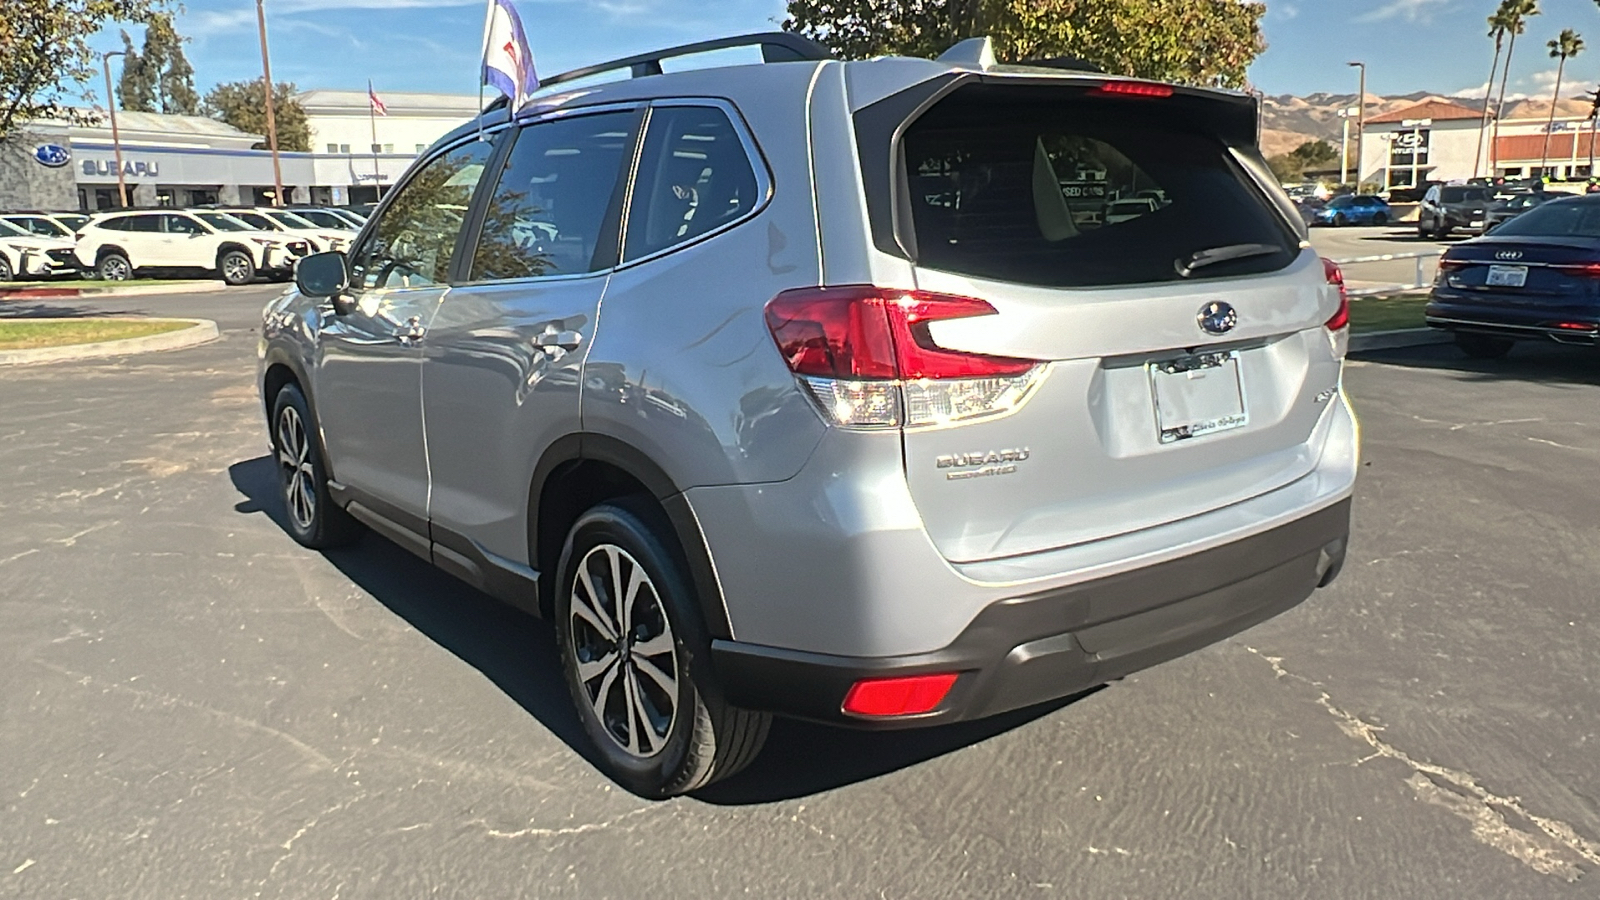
[(1537, 277)]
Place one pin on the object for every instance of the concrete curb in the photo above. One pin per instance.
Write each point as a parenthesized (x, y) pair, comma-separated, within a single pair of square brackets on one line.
[(45, 292), (200, 331), (1394, 340)]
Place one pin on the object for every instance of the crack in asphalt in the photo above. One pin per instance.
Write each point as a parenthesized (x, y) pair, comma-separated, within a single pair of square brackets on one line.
[(1548, 848)]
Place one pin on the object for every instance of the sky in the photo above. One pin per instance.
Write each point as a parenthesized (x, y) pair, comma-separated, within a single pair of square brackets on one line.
[(433, 45)]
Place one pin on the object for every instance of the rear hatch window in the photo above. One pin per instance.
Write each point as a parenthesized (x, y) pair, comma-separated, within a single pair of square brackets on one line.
[(1068, 188)]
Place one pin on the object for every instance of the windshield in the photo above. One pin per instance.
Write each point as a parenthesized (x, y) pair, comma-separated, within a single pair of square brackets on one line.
[(10, 230), (41, 225), (1557, 219), (325, 219), (221, 222), (1462, 195), (289, 220), (256, 221)]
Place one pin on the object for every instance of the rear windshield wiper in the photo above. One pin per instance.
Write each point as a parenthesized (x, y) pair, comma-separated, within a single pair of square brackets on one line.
[(1203, 258)]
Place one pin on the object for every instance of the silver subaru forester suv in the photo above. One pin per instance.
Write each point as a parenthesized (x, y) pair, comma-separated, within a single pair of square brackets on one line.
[(827, 389)]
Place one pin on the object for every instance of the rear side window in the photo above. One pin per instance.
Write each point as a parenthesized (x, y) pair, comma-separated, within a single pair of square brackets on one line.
[(119, 223), (1031, 187), (547, 215), (142, 223), (694, 177)]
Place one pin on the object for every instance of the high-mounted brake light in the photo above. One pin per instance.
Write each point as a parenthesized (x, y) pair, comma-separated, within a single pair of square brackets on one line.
[(869, 357), (908, 696), (1135, 89)]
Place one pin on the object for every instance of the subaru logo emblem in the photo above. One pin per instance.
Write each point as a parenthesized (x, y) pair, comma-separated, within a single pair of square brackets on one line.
[(1508, 254), (53, 155), (1217, 317)]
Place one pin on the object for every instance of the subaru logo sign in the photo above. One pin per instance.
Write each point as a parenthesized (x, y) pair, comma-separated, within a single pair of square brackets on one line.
[(53, 155), (1218, 318)]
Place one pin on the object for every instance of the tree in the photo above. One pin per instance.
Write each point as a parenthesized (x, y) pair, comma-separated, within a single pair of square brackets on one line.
[(1516, 14), (1291, 167), (1499, 24), (136, 88), (45, 57), (160, 79), (1568, 45), (1197, 41), (243, 104)]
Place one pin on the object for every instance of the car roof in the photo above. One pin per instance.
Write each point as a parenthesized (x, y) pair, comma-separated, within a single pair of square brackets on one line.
[(793, 66)]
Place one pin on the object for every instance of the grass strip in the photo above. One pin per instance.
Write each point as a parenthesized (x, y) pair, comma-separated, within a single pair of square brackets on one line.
[(26, 334)]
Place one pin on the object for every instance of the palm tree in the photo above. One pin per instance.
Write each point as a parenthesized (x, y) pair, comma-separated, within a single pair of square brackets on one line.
[(1516, 13), (1568, 45), (1499, 24)]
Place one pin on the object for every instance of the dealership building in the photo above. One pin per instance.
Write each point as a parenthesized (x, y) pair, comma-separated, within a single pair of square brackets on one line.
[(186, 160), (1441, 141)]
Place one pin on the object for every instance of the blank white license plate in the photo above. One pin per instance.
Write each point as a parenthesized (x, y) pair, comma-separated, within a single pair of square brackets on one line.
[(1508, 276), (1198, 395)]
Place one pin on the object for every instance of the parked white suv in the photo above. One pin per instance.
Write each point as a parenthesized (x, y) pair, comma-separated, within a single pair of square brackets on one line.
[(284, 222), (119, 245), (24, 254)]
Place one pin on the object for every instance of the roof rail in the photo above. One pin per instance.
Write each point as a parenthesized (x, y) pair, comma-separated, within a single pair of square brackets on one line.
[(776, 46)]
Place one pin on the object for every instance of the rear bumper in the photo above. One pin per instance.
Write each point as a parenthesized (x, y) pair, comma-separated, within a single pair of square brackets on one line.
[(1577, 324), (1041, 646)]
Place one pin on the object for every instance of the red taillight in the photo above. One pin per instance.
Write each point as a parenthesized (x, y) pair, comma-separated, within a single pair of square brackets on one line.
[(1135, 89), (907, 696), (1450, 265), (867, 333), (1581, 270), (1335, 276), (1578, 326)]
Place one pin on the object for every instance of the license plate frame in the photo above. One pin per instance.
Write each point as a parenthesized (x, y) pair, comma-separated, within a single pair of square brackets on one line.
[(1198, 395), (1507, 276)]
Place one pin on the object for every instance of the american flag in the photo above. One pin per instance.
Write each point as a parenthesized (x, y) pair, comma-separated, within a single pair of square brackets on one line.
[(377, 105)]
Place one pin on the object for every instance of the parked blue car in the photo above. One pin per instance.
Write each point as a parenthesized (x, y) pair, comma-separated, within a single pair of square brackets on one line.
[(1537, 277), (1353, 210)]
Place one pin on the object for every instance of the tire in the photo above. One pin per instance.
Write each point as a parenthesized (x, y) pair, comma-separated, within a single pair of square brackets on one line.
[(6, 274), (649, 702), (311, 516), (1483, 346), (1441, 229), (1339, 221), (1380, 219), (113, 267), (236, 267)]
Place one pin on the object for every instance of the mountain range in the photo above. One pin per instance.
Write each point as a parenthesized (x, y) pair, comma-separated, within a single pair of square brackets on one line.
[(1288, 121)]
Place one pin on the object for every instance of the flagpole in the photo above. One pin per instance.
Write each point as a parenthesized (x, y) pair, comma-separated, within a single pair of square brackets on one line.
[(483, 60), (372, 117)]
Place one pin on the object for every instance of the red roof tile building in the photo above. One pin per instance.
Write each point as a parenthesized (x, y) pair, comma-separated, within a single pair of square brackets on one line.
[(1437, 140)]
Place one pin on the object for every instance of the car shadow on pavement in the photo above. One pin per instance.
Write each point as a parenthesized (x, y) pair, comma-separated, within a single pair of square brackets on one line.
[(517, 653), (57, 309), (1544, 363)]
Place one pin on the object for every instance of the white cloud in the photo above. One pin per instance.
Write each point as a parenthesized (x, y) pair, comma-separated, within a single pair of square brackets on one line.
[(1409, 10)]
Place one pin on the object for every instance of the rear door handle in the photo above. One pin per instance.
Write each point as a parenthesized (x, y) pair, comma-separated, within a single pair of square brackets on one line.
[(552, 340), (411, 333)]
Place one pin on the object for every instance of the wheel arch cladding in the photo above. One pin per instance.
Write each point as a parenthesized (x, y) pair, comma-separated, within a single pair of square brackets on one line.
[(581, 470)]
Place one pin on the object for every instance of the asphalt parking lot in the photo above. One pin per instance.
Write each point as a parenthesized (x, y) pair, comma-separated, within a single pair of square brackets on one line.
[(1354, 242), (194, 706)]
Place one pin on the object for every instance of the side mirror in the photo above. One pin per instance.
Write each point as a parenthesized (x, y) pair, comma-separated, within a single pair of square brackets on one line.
[(324, 275)]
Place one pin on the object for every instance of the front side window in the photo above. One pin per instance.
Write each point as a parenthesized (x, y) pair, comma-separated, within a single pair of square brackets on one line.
[(182, 225), (548, 212), (415, 239), (694, 177)]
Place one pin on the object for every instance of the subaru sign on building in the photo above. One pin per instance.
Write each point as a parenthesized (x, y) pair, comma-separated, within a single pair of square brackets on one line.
[(53, 155)]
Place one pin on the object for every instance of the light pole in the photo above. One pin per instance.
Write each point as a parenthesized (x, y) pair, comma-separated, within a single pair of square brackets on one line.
[(116, 136), (1361, 120), (272, 124), (1345, 115)]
